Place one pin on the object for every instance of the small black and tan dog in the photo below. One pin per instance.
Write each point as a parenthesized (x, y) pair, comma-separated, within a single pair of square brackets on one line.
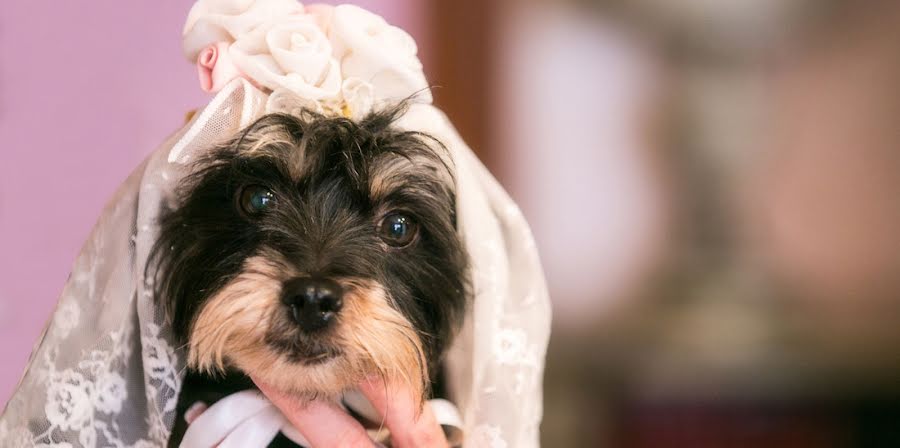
[(312, 252)]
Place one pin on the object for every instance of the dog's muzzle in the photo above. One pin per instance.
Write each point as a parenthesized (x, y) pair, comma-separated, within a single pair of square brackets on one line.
[(314, 302)]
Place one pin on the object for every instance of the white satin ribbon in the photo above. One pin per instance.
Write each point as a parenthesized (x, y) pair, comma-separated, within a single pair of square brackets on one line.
[(247, 419)]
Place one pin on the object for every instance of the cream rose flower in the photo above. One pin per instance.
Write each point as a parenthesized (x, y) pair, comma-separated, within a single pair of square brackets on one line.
[(321, 14), (382, 55), (358, 96), (293, 54), (284, 101), (214, 67), (211, 21)]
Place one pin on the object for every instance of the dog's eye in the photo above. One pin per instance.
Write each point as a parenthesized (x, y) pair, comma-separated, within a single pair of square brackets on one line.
[(256, 199), (398, 230)]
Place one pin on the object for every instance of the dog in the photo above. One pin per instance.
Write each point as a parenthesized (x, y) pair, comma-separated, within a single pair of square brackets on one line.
[(312, 252)]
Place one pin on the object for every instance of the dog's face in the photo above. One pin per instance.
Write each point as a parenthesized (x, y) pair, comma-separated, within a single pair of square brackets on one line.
[(313, 252)]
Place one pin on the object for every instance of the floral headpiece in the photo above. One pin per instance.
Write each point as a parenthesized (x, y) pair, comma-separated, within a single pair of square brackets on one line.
[(339, 60)]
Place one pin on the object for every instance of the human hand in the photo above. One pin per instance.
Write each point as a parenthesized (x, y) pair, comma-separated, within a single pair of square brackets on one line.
[(325, 424)]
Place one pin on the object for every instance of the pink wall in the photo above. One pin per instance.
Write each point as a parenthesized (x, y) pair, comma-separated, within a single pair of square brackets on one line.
[(87, 90)]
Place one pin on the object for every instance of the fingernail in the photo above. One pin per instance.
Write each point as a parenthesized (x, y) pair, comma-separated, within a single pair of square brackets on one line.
[(194, 411)]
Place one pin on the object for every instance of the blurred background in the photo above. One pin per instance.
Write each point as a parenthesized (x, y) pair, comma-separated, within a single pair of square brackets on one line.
[(714, 186)]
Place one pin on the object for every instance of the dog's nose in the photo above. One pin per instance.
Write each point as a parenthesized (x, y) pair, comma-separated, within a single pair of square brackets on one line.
[(314, 302)]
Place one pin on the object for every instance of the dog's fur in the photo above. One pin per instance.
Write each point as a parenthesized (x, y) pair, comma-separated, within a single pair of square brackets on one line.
[(219, 271)]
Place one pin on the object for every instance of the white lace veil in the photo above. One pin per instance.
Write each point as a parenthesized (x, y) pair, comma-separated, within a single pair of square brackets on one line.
[(105, 371)]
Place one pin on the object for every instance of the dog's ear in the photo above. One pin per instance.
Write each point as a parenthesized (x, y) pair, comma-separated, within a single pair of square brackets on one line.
[(181, 274), (160, 275)]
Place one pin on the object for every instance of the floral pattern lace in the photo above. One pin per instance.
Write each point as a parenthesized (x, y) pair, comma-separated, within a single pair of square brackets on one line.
[(104, 373)]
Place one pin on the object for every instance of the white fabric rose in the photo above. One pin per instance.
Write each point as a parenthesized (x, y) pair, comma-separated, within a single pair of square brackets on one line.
[(211, 21), (359, 97), (345, 57), (293, 54), (370, 49), (283, 101)]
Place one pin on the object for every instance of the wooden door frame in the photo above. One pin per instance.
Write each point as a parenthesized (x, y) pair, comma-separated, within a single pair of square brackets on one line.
[(464, 38)]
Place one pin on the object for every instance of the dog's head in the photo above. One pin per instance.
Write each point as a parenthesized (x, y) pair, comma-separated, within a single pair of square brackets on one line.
[(312, 252)]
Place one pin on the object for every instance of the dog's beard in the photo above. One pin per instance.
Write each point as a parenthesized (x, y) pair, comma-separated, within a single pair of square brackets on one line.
[(245, 325)]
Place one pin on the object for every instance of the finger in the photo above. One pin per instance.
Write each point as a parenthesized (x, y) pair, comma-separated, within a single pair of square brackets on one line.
[(322, 423), (410, 424), (195, 411)]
